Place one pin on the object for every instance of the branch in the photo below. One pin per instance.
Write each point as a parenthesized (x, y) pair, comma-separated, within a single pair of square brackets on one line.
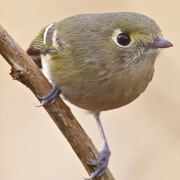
[(26, 71)]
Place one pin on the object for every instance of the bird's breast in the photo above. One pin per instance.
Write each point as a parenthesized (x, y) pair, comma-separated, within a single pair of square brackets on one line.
[(97, 87), (109, 90)]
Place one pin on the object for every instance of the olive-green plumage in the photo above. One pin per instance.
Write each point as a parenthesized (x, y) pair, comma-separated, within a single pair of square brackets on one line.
[(99, 61), (91, 70)]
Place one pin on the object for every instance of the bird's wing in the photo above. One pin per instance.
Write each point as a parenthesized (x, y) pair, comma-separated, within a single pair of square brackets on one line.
[(47, 43)]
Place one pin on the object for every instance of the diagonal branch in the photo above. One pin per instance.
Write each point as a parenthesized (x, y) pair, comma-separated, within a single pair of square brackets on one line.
[(26, 71)]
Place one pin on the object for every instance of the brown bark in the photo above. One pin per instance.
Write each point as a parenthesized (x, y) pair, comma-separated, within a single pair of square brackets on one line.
[(26, 71)]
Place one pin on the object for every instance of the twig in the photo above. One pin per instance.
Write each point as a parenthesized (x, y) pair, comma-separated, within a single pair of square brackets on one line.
[(26, 71)]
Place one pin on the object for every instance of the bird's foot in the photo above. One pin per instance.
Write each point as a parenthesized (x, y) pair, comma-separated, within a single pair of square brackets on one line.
[(103, 161), (49, 98)]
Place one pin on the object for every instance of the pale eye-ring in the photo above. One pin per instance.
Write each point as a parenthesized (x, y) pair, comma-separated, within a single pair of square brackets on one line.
[(123, 39)]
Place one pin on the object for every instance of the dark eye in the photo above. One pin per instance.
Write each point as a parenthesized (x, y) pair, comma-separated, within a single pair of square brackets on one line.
[(123, 39)]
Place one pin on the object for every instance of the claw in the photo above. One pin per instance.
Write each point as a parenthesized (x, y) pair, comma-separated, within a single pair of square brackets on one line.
[(49, 98), (105, 153), (103, 159)]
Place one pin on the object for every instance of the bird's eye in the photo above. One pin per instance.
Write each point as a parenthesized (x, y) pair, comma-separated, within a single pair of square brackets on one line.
[(123, 39)]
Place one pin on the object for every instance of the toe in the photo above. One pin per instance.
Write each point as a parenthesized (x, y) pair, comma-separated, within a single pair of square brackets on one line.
[(103, 161), (50, 97)]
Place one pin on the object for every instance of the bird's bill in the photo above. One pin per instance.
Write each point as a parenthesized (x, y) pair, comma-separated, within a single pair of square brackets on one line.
[(160, 43)]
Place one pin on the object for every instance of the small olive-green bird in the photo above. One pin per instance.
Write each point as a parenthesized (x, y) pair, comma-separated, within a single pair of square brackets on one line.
[(98, 62)]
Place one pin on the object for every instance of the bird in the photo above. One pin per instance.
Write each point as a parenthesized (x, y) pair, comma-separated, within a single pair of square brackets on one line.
[(98, 62)]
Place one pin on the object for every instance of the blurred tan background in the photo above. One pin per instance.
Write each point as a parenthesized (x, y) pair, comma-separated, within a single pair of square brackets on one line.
[(144, 136)]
